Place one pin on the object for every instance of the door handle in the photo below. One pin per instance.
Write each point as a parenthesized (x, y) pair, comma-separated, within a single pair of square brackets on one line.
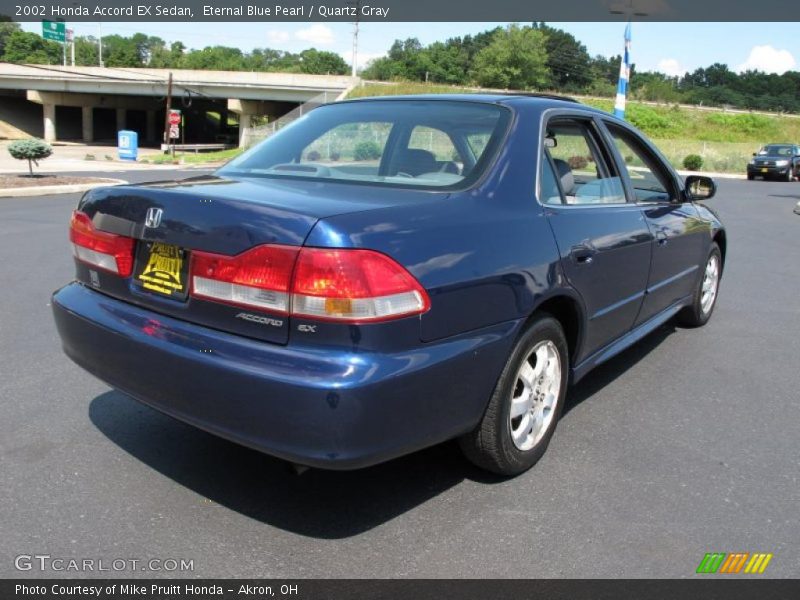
[(583, 255)]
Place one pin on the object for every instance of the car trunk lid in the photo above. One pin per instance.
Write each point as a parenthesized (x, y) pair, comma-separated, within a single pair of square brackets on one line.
[(172, 220)]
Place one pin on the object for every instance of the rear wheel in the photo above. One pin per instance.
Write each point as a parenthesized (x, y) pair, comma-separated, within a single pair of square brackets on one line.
[(526, 404), (705, 296)]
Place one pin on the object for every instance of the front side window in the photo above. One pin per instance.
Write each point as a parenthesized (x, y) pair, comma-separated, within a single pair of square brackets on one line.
[(650, 181), (418, 143), (585, 177)]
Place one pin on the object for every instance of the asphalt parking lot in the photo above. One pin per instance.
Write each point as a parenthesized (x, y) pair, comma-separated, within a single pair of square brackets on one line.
[(685, 444)]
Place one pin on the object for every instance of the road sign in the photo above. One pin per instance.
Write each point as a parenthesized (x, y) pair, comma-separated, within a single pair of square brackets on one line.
[(54, 30), (174, 117), (174, 132), (70, 35)]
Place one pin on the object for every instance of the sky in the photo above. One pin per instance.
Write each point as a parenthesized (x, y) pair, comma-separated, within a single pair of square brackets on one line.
[(672, 48)]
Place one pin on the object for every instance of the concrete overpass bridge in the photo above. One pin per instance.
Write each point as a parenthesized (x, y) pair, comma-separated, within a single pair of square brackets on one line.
[(92, 103)]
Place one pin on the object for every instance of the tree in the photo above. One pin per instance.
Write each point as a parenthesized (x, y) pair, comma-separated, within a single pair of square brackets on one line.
[(448, 62), (32, 150), (567, 59), (220, 58), (26, 47), (119, 51), (7, 27), (383, 69), (516, 58), (86, 51), (321, 62)]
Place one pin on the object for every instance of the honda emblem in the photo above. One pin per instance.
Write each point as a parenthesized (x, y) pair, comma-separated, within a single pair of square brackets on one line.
[(153, 217)]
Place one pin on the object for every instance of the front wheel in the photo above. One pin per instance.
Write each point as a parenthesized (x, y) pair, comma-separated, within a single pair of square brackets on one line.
[(526, 403), (705, 296)]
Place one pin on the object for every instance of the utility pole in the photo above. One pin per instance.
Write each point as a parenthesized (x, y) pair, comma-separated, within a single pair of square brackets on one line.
[(166, 110), (71, 42), (100, 43), (357, 5)]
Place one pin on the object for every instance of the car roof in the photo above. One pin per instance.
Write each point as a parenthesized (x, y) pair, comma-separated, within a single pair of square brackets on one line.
[(542, 101)]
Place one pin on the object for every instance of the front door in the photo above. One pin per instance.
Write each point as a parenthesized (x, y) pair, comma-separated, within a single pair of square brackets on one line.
[(678, 232)]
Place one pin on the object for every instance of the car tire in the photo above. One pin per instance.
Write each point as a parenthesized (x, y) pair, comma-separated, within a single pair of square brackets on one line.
[(750, 177), (699, 312), (534, 384), (789, 174)]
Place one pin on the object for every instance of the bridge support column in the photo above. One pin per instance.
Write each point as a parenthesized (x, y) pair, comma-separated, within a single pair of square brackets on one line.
[(49, 111), (247, 109), (245, 128), (87, 123), (121, 118)]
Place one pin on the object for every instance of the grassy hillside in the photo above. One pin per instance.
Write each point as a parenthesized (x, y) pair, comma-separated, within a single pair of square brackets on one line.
[(724, 140)]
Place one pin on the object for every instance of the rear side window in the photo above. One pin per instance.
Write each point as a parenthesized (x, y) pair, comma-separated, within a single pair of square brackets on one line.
[(584, 176), (549, 193), (436, 144)]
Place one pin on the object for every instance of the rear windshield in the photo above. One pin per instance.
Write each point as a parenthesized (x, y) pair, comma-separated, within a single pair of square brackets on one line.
[(432, 144)]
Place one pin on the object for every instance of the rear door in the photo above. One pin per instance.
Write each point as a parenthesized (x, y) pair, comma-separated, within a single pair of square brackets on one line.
[(679, 234), (603, 239)]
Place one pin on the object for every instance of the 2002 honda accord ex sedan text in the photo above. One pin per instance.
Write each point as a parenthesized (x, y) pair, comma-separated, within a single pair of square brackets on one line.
[(386, 274)]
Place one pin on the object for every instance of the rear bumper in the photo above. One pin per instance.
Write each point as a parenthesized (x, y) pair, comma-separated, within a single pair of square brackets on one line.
[(335, 409)]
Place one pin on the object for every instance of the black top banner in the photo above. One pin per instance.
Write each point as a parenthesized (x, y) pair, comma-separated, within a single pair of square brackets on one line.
[(400, 10)]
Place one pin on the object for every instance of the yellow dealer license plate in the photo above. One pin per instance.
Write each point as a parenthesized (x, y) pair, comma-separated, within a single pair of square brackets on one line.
[(764, 170), (163, 269)]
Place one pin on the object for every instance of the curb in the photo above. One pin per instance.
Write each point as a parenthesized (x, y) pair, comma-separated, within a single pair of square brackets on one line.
[(683, 173), (46, 190)]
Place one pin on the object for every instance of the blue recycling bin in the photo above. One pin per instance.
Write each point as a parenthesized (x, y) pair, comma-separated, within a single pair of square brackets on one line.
[(127, 145)]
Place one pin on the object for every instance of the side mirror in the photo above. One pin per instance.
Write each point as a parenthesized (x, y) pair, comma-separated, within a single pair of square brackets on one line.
[(700, 187), (754, 153)]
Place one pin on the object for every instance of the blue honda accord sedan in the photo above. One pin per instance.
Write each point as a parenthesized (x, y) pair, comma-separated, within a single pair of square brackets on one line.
[(387, 274)]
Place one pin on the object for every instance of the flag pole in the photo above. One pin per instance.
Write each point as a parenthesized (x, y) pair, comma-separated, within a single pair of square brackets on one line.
[(624, 76)]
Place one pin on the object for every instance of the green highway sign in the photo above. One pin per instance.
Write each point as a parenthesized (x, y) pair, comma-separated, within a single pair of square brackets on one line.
[(54, 30)]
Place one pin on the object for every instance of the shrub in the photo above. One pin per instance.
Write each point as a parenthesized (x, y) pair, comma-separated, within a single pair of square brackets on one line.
[(335, 156), (313, 156), (577, 162), (367, 151), (32, 150), (693, 162)]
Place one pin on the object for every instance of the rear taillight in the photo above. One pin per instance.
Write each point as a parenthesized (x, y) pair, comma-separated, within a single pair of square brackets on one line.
[(354, 285), (259, 277), (343, 285), (107, 251)]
